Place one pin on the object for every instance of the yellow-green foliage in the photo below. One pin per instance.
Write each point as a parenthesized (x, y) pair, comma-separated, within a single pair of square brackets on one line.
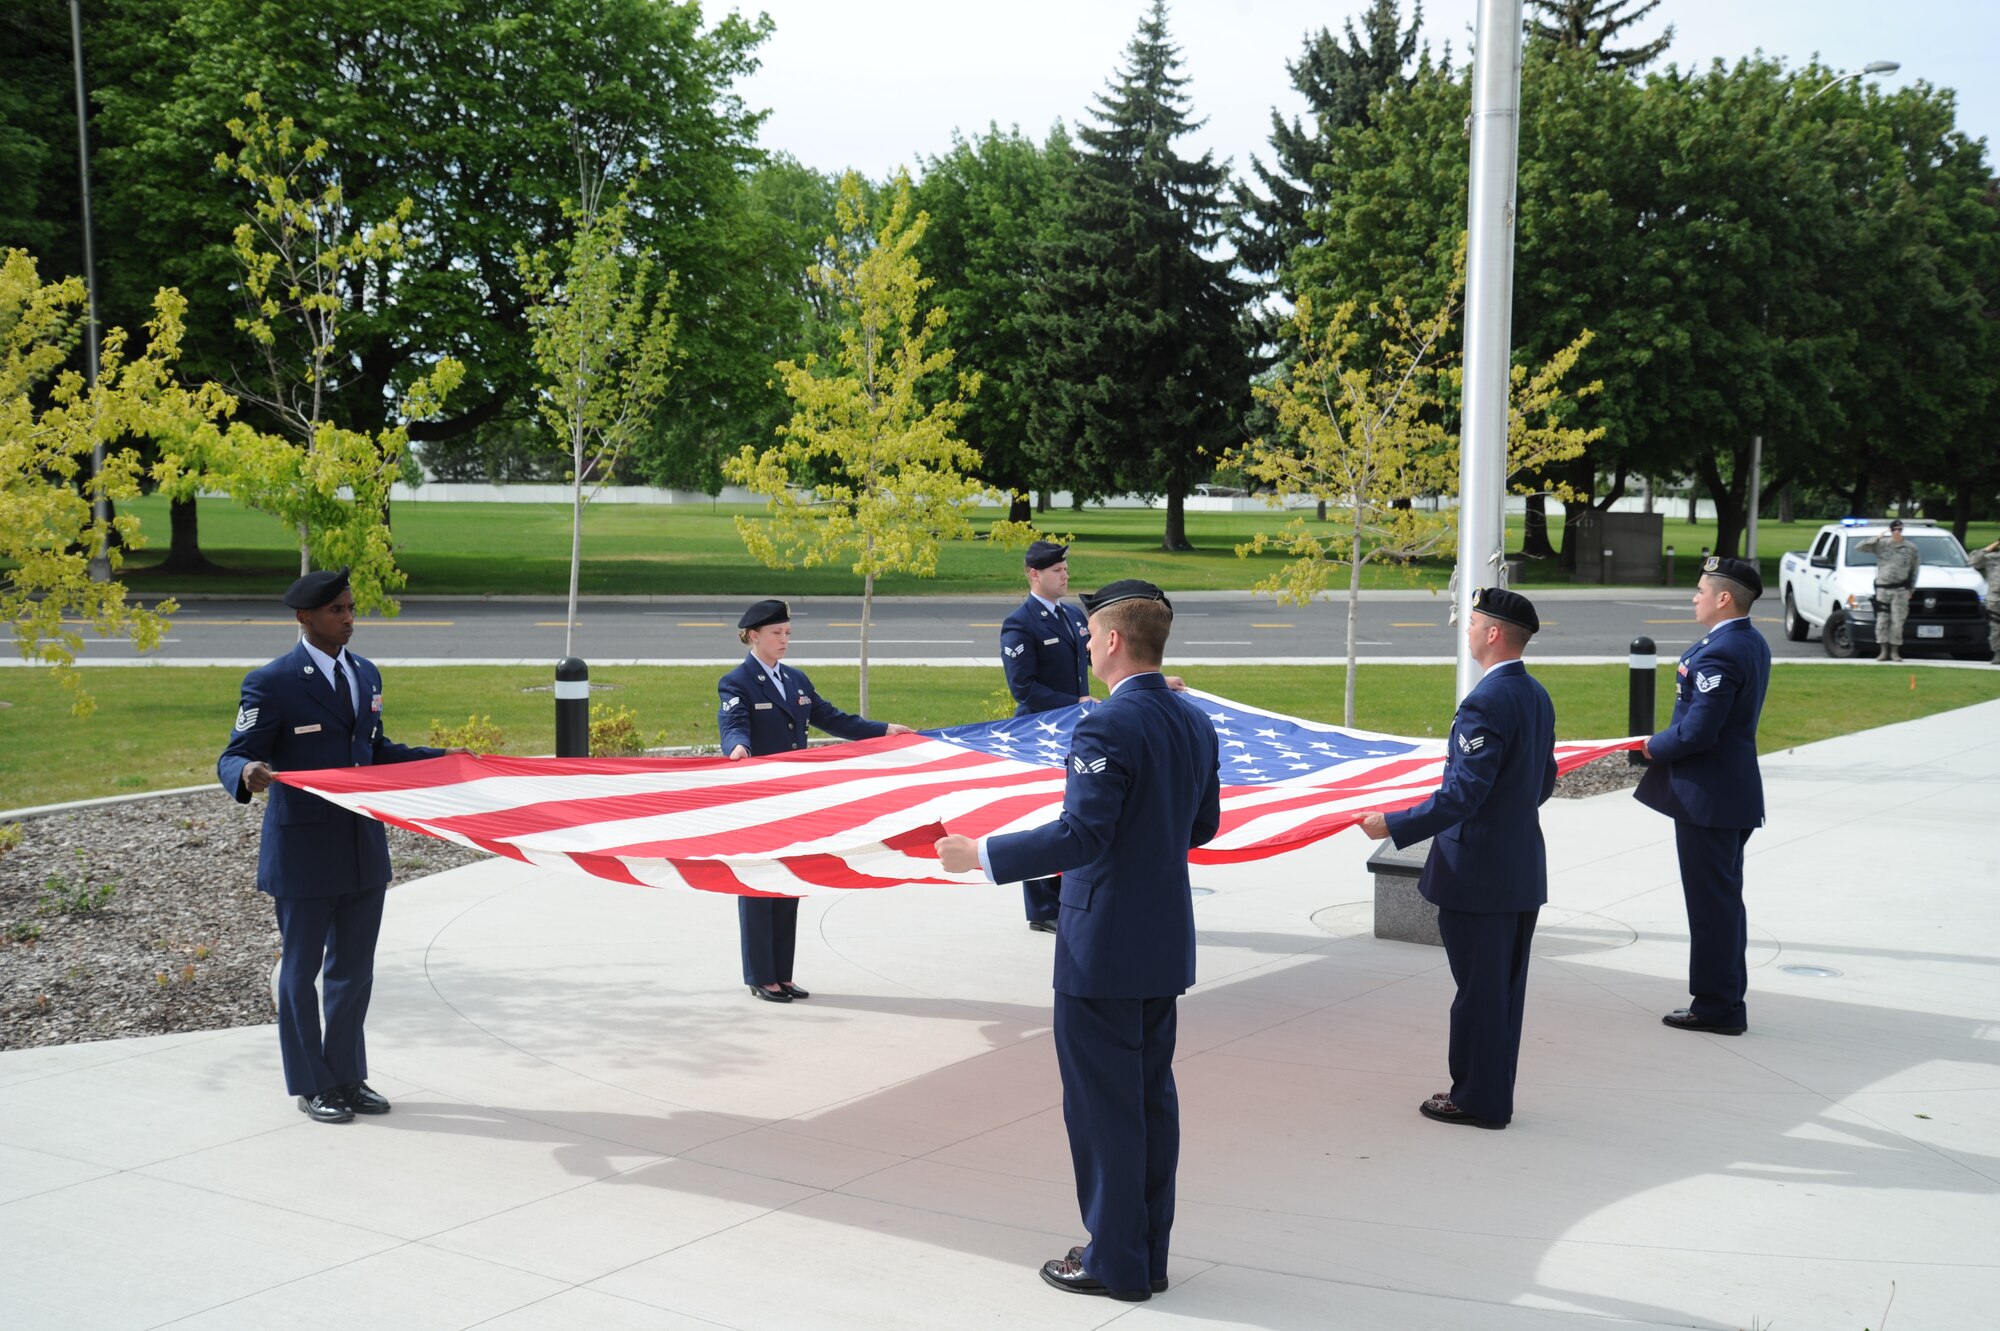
[(302, 252), (51, 419), (10, 837), (478, 734), (870, 468), (614, 733), (1366, 434)]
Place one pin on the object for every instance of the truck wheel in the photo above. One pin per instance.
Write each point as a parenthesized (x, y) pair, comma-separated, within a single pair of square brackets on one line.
[(1796, 627), (1838, 636)]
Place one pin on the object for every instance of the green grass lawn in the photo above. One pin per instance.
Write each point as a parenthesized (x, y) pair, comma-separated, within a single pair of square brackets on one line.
[(156, 728), (638, 549)]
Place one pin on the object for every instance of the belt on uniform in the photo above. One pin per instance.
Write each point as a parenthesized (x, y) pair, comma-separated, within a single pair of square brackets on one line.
[(1892, 586)]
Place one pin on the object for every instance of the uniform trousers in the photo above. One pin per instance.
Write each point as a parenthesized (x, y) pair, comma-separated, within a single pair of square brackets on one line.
[(1488, 954), (1042, 898), (1718, 932), (1116, 1056), (330, 940), (1895, 611), (769, 927)]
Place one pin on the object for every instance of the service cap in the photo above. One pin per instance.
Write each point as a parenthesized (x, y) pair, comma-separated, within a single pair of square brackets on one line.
[(1046, 554), (1895, 524), (765, 612), (1125, 589), (1736, 570), (316, 589), (1509, 607)]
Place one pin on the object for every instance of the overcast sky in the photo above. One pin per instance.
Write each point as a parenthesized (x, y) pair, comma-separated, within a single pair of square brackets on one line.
[(874, 84)]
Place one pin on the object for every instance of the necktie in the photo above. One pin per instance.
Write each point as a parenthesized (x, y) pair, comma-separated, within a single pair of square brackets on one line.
[(343, 700)]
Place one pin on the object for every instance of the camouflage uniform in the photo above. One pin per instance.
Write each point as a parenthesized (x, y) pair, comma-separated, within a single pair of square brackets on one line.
[(1895, 573), (1987, 561)]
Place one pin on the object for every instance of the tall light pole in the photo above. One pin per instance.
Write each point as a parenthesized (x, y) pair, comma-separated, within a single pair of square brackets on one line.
[(1489, 300), (1757, 440), (100, 561)]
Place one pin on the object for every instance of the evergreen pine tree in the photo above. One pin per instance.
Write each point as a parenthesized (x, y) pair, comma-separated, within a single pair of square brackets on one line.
[(1338, 82), (1139, 326), (1589, 25)]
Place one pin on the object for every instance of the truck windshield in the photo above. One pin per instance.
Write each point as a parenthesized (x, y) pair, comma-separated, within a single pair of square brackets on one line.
[(1937, 549)]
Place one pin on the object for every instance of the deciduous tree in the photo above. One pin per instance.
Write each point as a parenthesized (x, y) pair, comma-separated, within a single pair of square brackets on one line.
[(870, 467), (604, 342), (51, 420)]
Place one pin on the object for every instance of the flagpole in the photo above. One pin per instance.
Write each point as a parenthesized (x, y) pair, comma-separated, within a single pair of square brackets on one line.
[(1489, 298)]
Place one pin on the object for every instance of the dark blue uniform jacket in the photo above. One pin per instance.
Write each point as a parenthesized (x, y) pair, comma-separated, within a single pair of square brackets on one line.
[(1488, 855), (1141, 791), (290, 719), (1046, 654), (1705, 762), (765, 720)]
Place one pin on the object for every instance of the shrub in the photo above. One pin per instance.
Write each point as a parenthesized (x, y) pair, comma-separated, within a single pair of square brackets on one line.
[(614, 733), (478, 734)]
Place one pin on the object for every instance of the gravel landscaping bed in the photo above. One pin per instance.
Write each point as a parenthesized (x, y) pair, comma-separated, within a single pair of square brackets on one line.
[(183, 941)]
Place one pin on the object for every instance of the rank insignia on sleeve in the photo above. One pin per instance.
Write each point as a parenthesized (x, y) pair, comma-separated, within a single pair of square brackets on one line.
[(1707, 683), (728, 703), (1093, 766), (246, 717), (1015, 650), (1473, 745)]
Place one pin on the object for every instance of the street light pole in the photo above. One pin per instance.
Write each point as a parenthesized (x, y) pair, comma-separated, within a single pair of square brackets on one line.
[(1489, 300), (100, 561)]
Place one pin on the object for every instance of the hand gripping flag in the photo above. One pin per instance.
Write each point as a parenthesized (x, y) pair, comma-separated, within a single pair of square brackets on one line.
[(864, 814)]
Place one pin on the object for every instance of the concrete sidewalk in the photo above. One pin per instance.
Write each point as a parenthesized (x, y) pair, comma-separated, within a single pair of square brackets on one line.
[(595, 1127)]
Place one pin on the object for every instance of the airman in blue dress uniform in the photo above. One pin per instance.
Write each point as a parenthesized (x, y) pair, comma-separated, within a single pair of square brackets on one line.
[(1705, 777), (1487, 872), (326, 869), (1045, 650), (767, 708), (1141, 791)]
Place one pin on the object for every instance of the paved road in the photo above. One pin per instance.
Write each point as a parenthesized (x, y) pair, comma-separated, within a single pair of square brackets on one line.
[(1209, 628)]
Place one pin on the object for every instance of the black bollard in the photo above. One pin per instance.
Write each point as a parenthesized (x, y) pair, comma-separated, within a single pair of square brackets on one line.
[(1639, 715), (1668, 581), (572, 708)]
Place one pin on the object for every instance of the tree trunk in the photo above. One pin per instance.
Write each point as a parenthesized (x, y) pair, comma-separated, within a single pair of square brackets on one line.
[(1175, 540), (1857, 498), (1019, 509), (1320, 513), (1353, 612), (184, 545), (1044, 501), (575, 550), (1961, 511), (867, 613), (1730, 508), (1535, 531), (1785, 503)]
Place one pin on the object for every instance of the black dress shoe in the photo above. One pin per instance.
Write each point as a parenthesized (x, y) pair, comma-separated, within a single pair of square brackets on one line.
[(362, 1099), (769, 995), (1441, 1109), (1067, 1273), (1042, 926), (1683, 1020), (1076, 1255), (326, 1107), (793, 991)]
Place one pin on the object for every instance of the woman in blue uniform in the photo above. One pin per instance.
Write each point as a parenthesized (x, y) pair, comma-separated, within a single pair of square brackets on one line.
[(767, 708)]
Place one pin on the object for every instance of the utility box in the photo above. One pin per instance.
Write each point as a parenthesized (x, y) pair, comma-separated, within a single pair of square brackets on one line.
[(1617, 547)]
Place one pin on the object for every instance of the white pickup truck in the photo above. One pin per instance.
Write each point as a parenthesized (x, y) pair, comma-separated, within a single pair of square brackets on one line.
[(1831, 588)]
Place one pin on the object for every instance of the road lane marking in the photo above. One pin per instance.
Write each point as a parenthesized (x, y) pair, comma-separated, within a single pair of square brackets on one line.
[(1426, 624), (1271, 626)]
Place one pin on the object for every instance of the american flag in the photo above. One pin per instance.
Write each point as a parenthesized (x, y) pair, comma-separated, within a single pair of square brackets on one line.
[(864, 814)]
